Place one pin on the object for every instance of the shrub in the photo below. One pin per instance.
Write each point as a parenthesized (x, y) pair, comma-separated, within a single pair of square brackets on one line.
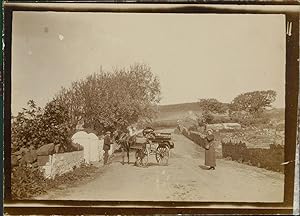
[(26, 182), (246, 119), (270, 158), (36, 127), (208, 117), (193, 128), (222, 119)]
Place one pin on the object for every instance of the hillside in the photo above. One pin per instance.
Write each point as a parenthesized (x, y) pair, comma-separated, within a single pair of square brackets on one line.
[(179, 107), (177, 111), (169, 114)]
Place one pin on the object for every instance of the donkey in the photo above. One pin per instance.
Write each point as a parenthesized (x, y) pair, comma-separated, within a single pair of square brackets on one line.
[(125, 141)]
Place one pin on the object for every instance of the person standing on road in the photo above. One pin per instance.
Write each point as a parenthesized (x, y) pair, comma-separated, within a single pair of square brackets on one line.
[(210, 155), (106, 146)]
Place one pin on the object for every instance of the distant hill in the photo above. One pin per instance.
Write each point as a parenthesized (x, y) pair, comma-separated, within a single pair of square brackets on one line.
[(171, 113), (179, 107), (177, 111)]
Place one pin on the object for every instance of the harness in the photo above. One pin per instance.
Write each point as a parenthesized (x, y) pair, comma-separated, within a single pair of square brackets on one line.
[(122, 139)]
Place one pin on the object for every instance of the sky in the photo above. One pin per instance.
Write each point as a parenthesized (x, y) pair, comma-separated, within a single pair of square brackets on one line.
[(194, 55)]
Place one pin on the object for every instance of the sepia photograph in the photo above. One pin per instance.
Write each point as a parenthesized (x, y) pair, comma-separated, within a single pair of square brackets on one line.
[(148, 106)]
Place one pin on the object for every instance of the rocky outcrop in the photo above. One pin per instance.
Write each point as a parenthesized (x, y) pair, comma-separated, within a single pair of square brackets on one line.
[(226, 126), (24, 157), (47, 149)]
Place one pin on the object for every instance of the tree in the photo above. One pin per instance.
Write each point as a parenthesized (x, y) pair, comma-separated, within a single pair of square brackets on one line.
[(253, 102), (208, 118), (34, 126), (26, 127), (110, 100), (213, 106)]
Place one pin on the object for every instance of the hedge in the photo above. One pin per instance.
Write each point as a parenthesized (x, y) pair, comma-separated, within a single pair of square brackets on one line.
[(270, 158)]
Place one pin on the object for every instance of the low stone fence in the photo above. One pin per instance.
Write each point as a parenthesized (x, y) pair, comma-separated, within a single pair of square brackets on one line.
[(196, 138), (58, 164), (270, 158), (224, 126)]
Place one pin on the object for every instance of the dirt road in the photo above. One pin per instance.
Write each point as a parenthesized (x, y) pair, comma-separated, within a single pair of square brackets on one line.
[(184, 179)]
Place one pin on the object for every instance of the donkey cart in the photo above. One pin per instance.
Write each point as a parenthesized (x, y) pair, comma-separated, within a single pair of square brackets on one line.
[(152, 143)]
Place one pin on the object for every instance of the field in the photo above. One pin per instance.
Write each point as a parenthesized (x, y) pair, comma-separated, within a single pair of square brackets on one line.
[(171, 113), (177, 111), (260, 135)]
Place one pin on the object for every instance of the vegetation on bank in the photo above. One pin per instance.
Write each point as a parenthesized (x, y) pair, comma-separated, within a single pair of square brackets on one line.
[(102, 101), (111, 100), (34, 127), (248, 109), (27, 183)]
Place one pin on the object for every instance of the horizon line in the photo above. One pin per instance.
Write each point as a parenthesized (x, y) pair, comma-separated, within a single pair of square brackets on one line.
[(170, 104)]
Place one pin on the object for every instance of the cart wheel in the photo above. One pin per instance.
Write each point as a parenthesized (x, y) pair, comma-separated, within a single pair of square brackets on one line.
[(162, 155), (141, 156)]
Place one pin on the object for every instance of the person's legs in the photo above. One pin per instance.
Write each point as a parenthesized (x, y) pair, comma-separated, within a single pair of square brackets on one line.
[(127, 155), (136, 157), (105, 156), (123, 155)]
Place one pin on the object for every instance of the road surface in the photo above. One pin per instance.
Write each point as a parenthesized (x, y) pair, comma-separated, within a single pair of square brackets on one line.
[(184, 179)]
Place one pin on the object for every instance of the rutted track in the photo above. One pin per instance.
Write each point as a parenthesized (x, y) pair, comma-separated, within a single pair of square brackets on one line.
[(184, 179)]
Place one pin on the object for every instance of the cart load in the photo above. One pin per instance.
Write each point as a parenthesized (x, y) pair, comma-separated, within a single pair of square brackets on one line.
[(149, 142)]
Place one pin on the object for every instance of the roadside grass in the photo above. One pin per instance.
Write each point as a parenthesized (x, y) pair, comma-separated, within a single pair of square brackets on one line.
[(27, 184)]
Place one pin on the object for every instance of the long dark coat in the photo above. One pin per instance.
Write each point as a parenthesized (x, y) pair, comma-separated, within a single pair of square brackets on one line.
[(107, 142), (210, 154)]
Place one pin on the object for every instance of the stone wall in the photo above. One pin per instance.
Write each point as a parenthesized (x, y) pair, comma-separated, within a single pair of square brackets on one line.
[(270, 158), (196, 138), (224, 126), (254, 137), (58, 164)]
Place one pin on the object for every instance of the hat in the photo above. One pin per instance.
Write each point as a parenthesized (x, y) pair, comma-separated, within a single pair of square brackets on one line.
[(210, 130), (107, 132)]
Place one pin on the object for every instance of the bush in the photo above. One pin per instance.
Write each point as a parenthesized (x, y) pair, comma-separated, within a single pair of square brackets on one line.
[(26, 182), (208, 117), (193, 128), (34, 127), (222, 119), (270, 158), (246, 119)]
